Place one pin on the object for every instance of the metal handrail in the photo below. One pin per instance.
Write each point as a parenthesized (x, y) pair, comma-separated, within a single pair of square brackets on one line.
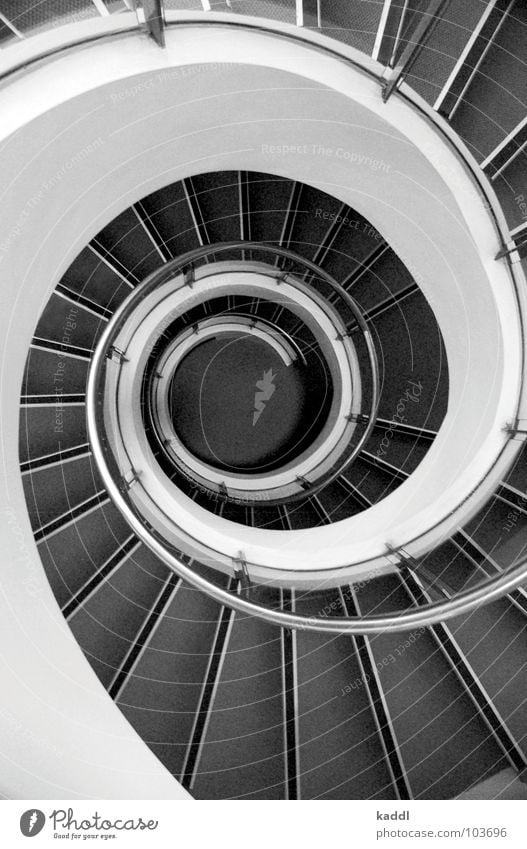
[(372, 624), (186, 262), (159, 414), (466, 601)]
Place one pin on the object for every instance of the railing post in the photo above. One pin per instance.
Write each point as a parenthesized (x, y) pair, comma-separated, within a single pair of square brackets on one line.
[(241, 573), (151, 14), (511, 247), (414, 47), (299, 9), (517, 429)]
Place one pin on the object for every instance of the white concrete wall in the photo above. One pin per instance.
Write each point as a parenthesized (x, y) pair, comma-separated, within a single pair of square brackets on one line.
[(180, 116), (80, 141)]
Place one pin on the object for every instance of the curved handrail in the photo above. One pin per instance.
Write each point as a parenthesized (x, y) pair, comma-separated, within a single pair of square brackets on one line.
[(185, 264), (311, 488), (172, 356), (438, 611), (490, 589), (467, 600), (123, 24)]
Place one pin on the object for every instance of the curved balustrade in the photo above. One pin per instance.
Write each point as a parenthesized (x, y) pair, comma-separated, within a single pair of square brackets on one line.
[(117, 375), (123, 488), (271, 696), (160, 399), (355, 404), (500, 583)]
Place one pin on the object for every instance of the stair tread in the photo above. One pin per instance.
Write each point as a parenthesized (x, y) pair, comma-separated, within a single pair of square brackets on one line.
[(248, 699), (444, 743)]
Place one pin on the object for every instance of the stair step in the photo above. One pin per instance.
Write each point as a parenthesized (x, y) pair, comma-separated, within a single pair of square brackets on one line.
[(50, 492), (386, 277), (218, 199), (108, 623), (494, 102), (63, 323), (162, 697), (438, 57), (353, 23), (445, 745), (49, 373), (309, 228), (244, 739), (268, 201), (493, 639), (414, 372), (92, 278), (42, 433), (372, 482), (28, 17), (125, 244), (402, 450), (338, 502), (71, 556), (340, 752), (170, 214)]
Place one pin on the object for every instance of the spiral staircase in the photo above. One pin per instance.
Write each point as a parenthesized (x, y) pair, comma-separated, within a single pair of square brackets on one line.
[(234, 370)]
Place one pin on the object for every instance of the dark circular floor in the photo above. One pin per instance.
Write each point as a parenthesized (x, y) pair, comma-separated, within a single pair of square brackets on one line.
[(236, 406)]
